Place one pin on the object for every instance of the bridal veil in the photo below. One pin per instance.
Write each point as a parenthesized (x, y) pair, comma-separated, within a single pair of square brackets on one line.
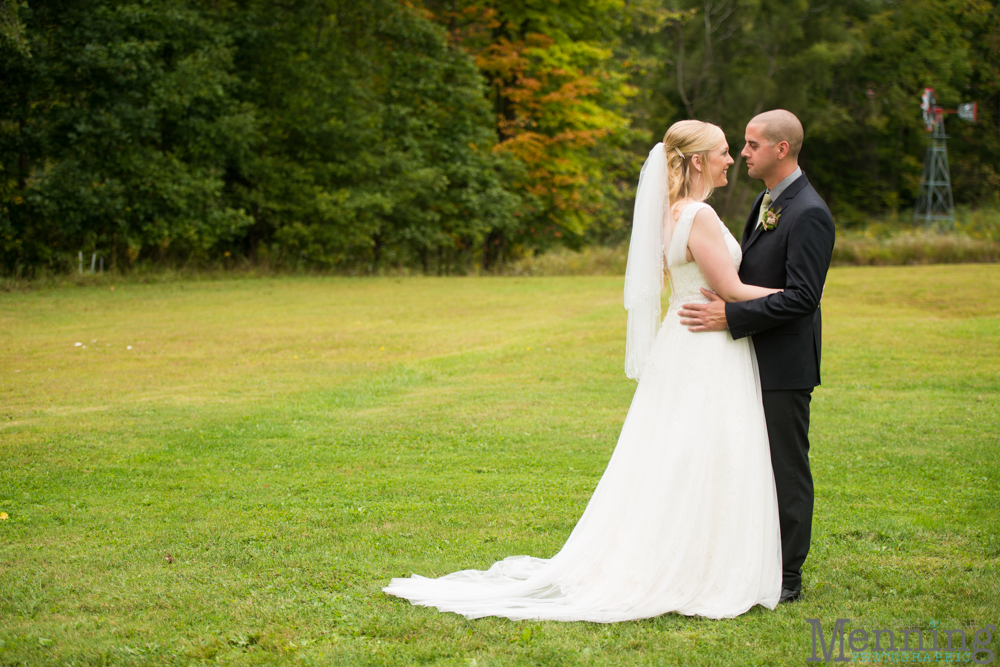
[(644, 271)]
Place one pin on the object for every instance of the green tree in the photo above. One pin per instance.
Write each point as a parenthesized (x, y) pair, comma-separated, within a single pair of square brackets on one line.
[(446, 133), (975, 148), (116, 133), (724, 61), (11, 28), (868, 148), (377, 147), (316, 133), (852, 71)]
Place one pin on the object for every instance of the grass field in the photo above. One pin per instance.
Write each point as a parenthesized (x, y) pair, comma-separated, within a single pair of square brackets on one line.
[(292, 443)]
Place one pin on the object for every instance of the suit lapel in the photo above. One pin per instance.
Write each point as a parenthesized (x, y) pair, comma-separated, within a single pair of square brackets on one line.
[(757, 231), (780, 202), (751, 221)]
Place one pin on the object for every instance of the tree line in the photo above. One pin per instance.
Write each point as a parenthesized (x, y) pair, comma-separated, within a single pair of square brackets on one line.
[(442, 135)]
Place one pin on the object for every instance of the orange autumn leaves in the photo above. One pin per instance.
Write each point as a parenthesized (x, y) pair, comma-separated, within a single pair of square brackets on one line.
[(555, 101)]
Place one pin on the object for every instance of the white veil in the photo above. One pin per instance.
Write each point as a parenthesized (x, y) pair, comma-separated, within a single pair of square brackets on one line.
[(644, 271)]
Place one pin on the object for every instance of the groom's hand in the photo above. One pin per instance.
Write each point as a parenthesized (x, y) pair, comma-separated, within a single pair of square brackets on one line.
[(705, 316)]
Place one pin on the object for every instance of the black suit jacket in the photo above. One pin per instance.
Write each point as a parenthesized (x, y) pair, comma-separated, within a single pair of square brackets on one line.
[(794, 256)]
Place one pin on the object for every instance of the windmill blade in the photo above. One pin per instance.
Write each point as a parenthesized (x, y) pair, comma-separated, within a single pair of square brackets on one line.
[(968, 111), (927, 104)]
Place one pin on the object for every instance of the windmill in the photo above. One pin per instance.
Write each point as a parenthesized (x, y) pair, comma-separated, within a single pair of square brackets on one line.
[(935, 202)]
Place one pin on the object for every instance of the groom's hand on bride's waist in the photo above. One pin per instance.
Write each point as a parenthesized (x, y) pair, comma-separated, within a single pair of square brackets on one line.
[(709, 316)]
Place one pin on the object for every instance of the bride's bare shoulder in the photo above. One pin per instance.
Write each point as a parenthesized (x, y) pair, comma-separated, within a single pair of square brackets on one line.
[(706, 215), (679, 208)]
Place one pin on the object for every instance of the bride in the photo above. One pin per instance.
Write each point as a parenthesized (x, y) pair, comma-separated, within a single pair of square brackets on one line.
[(685, 517)]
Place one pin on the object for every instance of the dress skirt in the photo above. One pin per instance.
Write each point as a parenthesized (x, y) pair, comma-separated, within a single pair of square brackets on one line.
[(684, 519)]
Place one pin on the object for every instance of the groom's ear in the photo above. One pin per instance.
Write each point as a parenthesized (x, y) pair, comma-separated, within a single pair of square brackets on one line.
[(782, 149)]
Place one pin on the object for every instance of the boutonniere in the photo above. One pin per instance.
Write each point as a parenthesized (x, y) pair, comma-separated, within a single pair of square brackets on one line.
[(771, 219)]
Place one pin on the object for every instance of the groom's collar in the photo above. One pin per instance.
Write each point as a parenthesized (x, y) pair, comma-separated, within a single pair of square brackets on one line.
[(780, 188), (790, 190)]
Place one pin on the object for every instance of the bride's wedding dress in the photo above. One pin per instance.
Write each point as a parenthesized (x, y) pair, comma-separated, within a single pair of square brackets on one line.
[(684, 519)]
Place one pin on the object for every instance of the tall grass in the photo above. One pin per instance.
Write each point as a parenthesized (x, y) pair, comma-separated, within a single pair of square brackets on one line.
[(894, 240), (891, 240), (887, 241)]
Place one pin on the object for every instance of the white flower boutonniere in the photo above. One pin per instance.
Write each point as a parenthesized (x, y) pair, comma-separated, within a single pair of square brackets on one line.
[(771, 220)]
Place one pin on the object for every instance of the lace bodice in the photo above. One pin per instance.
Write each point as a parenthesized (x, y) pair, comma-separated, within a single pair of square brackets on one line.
[(686, 279)]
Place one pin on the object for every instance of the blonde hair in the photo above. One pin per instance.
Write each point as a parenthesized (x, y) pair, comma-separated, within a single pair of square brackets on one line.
[(684, 139)]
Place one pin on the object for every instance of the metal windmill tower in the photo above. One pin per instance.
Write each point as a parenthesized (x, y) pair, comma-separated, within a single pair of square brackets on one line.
[(935, 202)]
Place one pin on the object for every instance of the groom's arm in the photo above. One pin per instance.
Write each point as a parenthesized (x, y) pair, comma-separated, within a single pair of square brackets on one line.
[(807, 260), (810, 247)]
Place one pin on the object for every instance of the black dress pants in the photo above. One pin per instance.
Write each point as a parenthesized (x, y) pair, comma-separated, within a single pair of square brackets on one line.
[(787, 415)]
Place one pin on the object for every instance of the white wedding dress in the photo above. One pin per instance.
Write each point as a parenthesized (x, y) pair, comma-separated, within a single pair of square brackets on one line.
[(684, 519)]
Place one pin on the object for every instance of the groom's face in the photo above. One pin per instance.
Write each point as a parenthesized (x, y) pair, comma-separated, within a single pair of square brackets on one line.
[(760, 154)]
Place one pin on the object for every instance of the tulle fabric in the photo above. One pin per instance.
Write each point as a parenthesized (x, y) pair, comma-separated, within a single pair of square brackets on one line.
[(685, 517), (644, 270)]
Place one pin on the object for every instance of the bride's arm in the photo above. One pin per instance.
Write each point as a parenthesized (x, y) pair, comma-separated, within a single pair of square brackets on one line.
[(708, 247)]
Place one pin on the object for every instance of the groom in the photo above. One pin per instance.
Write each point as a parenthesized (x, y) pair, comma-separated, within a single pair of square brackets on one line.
[(787, 243)]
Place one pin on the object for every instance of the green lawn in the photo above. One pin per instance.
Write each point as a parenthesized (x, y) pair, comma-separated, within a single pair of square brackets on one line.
[(292, 443)]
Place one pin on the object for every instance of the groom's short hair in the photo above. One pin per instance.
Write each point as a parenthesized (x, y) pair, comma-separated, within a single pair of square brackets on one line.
[(779, 125)]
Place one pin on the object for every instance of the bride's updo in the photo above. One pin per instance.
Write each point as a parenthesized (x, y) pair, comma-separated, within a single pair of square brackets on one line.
[(684, 139)]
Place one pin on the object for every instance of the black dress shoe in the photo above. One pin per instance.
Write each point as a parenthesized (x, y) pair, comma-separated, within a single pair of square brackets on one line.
[(790, 594)]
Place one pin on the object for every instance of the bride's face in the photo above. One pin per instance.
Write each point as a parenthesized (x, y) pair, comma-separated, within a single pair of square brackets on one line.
[(718, 164)]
